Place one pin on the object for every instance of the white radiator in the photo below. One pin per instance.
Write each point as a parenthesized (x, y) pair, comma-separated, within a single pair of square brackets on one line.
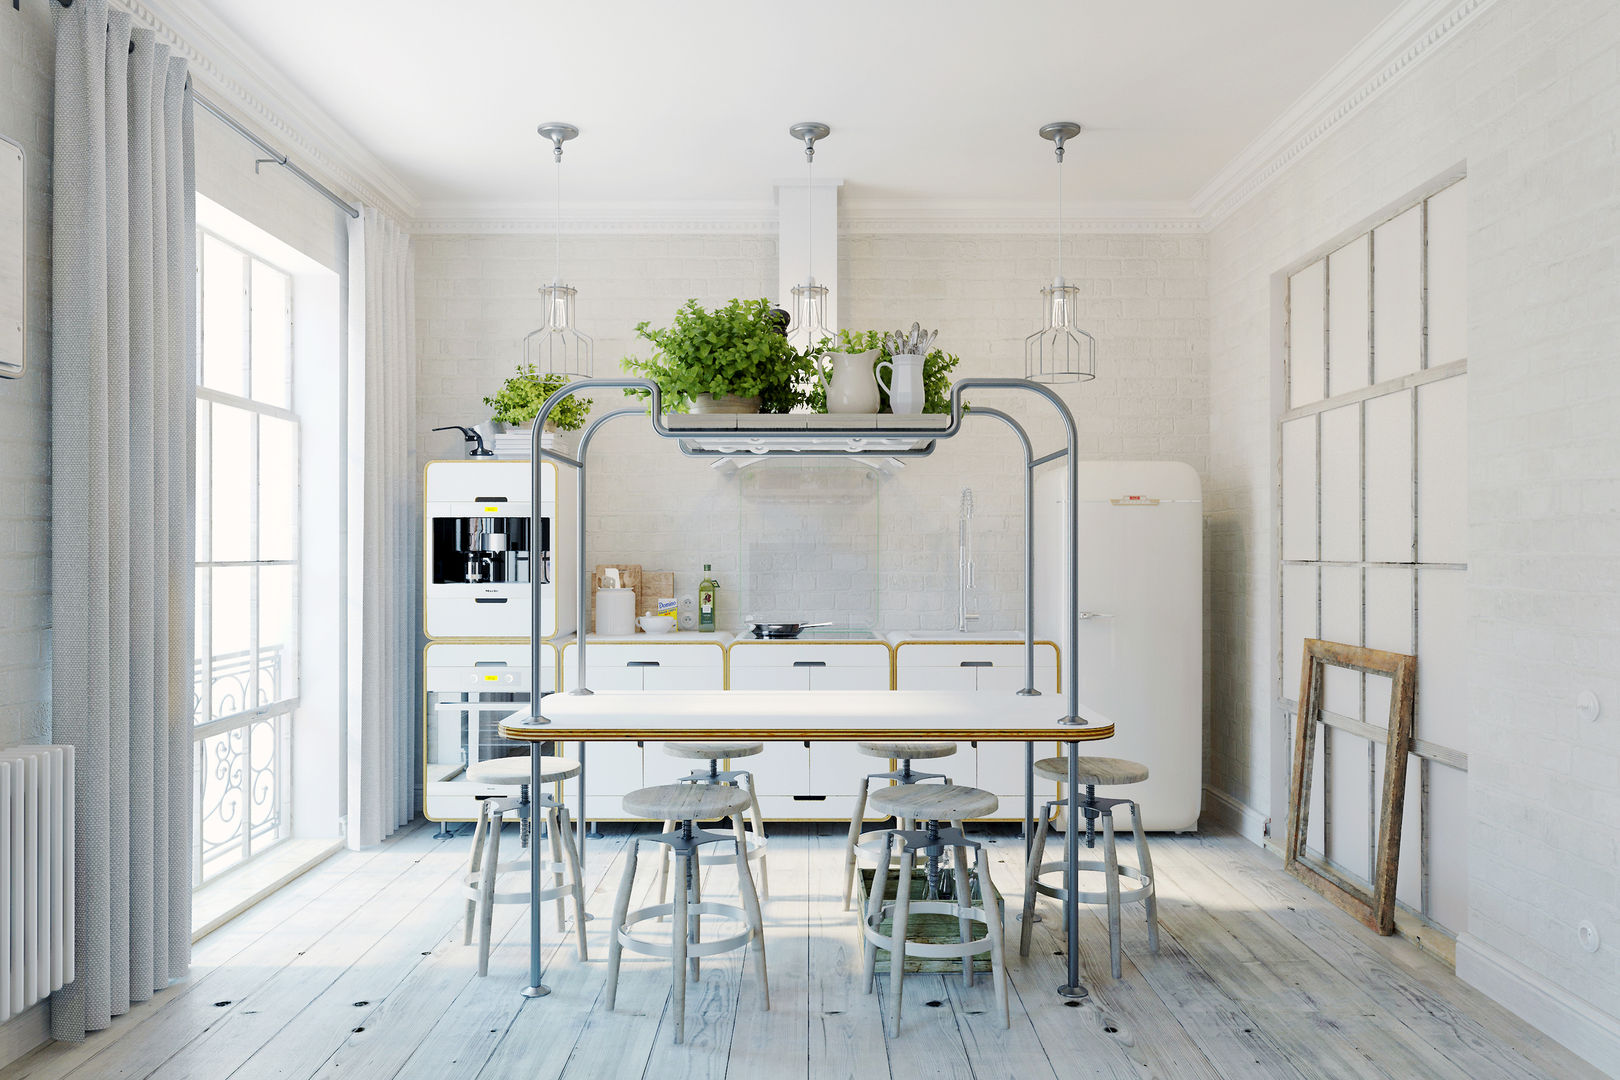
[(36, 874)]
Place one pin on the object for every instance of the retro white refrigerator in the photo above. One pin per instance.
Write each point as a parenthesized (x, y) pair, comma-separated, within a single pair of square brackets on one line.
[(1140, 648)]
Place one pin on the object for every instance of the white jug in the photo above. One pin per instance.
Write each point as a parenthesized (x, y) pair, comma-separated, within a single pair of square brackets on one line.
[(852, 388), (904, 384)]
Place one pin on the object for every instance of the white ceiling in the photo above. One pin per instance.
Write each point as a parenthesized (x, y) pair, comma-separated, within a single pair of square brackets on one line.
[(691, 101)]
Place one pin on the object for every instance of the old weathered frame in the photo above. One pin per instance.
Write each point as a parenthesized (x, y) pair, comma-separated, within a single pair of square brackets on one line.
[(1375, 909)]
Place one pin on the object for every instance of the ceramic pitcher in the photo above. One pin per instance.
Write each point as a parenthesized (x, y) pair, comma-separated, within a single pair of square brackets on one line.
[(852, 388), (904, 384)]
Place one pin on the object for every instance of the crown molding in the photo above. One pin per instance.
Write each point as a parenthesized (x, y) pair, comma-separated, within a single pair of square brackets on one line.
[(238, 77), (910, 218), (1407, 37)]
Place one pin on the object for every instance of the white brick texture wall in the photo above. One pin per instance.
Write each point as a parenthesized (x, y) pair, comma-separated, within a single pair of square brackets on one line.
[(1528, 96), (1144, 297)]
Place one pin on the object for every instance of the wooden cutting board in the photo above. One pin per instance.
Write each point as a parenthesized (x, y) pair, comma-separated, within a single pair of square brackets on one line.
[(651, 586)]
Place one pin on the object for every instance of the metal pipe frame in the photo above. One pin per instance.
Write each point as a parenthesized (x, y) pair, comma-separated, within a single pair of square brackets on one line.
[(1071, 874)]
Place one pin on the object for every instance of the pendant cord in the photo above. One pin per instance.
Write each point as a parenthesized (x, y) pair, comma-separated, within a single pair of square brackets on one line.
[(1060, 216), (810, 196), (557, 227)]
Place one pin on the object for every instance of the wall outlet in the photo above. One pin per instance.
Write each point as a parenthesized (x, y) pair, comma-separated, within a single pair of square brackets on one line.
[(1587, 932), (687, 617)]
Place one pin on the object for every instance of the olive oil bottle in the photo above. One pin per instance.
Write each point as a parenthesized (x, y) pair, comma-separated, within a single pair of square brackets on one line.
[(706, 601)]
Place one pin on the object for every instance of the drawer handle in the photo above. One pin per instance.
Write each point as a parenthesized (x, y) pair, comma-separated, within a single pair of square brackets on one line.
[(489, 599), (490, 498), (978, 663), (641, 663), (809, 798), (809, 663)]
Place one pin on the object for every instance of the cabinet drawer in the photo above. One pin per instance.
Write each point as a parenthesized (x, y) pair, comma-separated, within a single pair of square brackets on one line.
[(998, 654), (789, 654), (615, 654)]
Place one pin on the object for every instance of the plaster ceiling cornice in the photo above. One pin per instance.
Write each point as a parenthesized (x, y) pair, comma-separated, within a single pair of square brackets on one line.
[(239, 78), (1398, 45)]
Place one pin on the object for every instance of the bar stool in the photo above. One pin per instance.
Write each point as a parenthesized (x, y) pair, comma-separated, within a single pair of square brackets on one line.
[(1095, 772), (933, 804), (481, 885), (906, 752), (686, 805), (754, 840)]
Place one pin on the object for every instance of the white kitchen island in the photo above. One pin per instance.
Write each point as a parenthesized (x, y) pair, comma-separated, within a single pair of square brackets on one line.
[(781, 715)]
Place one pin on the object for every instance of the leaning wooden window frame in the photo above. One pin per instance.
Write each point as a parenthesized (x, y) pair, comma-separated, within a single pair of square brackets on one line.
[(1376, 908)]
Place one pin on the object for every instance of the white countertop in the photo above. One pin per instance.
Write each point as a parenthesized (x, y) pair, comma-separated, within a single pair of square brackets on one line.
[(683, 637), (845, 715), (956, 637)]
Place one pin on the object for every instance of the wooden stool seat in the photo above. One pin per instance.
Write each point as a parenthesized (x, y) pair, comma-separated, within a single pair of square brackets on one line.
[(934, 802), (708, 751), (686, 802), (907, 751), (1094, 771), (515, 770)]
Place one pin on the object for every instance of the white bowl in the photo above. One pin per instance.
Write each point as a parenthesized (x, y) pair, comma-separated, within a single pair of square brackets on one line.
[(656, 624)]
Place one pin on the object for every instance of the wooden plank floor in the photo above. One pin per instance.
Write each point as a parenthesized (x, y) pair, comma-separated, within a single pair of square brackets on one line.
[(357, 970)]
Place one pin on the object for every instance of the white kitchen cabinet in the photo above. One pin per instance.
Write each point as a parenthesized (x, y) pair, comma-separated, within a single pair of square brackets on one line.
[(987, 667), (616, 768), (818, 780)]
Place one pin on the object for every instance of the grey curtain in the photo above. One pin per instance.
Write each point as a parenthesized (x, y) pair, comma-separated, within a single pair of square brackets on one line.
[(122, 459), (382, 437)]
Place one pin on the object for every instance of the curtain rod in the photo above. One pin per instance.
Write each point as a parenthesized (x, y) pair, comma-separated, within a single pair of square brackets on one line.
[(276, 156)]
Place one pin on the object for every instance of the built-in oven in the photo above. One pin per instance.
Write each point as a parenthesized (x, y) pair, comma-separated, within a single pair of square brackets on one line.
[(468, 688), (485, 547)]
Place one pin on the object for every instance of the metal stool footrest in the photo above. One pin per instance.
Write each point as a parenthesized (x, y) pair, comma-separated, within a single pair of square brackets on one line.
[(1144, 884), (666, 949)]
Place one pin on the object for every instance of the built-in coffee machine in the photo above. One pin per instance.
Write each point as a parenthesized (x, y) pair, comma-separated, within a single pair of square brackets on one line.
[(484, 545)]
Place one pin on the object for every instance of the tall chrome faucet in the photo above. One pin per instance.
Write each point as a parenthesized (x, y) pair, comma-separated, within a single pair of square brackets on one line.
[(964, 560)]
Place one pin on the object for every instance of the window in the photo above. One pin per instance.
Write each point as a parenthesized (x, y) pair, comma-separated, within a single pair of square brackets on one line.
[(246, 675), (1373, 521)]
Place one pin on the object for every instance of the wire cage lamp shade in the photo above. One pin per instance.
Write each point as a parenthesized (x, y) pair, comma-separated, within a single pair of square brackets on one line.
[(558, 347), (1060, 351)]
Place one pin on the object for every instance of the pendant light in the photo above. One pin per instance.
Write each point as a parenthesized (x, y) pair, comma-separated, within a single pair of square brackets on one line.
[(809, 324), (558, 348), (1060, 351)]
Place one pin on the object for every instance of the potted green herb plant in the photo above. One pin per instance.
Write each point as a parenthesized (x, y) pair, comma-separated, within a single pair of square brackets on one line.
[(732, 359), (518, 401), (937, 368)]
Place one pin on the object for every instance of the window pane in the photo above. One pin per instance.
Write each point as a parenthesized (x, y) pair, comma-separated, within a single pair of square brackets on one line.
[(278, 628), (231, 469), (272, 341), (278, 489), (231, 624), (203, 481), (224, 360), (1307, 311)]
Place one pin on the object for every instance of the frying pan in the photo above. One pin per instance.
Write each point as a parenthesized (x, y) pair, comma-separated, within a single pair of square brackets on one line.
[(782, 629)]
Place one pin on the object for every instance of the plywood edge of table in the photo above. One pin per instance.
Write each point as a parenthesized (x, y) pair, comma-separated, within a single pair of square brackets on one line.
[(786, 715)]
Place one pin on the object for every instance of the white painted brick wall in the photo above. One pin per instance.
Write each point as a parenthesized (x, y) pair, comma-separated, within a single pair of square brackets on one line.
[(1529, 97), (1144, 300), (26, 69)]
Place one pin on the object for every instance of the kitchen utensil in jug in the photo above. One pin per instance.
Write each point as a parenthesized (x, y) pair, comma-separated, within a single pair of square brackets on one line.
[(904, 384), (852, 389)]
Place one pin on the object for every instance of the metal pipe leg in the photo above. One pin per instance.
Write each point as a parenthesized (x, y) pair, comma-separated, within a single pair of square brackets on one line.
[(1111, 871), (621, 909), (1029, 796), (535, 988), (897, 941), (964, 905), (1071, 875), (856, 820), (678, 948)]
